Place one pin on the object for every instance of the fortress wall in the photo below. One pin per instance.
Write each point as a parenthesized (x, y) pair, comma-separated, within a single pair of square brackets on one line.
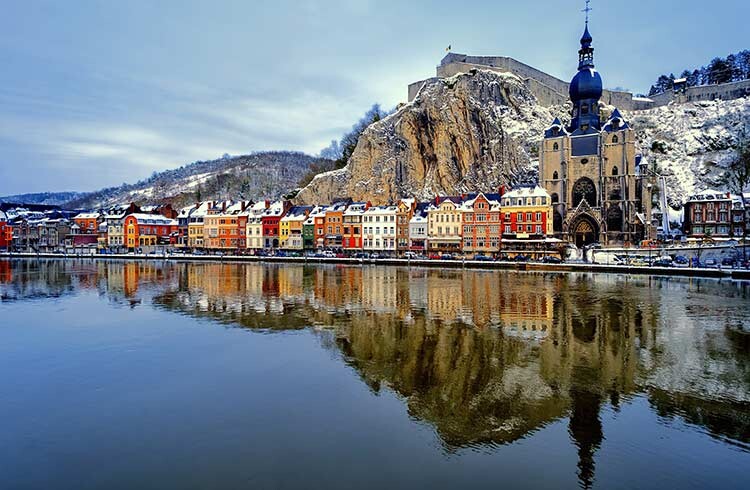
[(621, 100), (416, 86), (550, 90)]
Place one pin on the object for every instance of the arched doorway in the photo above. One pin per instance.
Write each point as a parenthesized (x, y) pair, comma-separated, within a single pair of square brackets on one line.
[(584, 188), (585, 231)]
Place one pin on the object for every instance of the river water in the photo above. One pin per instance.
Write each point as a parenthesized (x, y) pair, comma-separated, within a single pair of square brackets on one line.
[(209, 375)]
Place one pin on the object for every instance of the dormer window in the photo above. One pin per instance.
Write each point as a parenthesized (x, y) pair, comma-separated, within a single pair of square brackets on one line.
[(614, 170), (555, 176), (615, 139), (555, 147)]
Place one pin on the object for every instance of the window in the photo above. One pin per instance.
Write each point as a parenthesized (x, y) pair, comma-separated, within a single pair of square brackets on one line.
[(539, 216), (615, 139), (538, 229), (614, 170), (519, 217), (555, 147)]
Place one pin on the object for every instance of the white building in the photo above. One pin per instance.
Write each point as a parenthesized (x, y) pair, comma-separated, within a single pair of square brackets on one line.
[(255, 224), (379, 225)]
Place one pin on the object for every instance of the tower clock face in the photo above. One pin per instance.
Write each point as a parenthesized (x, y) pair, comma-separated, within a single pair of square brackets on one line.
[(584, 161)]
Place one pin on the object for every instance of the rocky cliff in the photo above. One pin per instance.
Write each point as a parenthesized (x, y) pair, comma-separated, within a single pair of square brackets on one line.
[(472, 131), (480, 130)]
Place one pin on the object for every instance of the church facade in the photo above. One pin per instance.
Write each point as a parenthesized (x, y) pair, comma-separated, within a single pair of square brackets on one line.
[(601, 188)]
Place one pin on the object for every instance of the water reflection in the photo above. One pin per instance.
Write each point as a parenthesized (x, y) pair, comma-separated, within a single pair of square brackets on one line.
[(486, 358)]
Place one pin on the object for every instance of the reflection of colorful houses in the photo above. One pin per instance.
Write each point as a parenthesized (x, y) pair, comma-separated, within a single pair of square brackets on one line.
[(149, 230)]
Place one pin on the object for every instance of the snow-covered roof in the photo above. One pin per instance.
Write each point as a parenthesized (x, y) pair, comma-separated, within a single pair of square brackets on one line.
[(526, 191), (355, 208), (87, 216), (185, 212), (297, 213), (389, 209), (468, 204), (712, 195), (275, 209), (152, 219), (3, 216), (680, 80)]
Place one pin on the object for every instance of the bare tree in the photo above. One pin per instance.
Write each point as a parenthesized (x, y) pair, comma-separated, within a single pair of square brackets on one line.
[(738, 172)]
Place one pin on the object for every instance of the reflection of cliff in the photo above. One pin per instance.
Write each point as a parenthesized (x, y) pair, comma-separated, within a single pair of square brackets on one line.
[(485, 357)]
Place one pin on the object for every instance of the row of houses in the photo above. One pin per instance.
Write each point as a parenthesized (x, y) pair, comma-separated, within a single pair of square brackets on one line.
[(480, 223)]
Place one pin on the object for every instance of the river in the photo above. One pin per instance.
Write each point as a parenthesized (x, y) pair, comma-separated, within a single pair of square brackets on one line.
[(218, 375)]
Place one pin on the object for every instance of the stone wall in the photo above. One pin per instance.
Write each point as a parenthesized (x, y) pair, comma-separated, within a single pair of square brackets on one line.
[(551, 91)]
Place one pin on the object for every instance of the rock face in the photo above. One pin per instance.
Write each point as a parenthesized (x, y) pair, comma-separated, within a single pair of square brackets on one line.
[(480, 130), (692, 144), (470, 132)]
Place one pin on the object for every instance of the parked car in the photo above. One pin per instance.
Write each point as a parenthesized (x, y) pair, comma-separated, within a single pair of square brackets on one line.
[(551, 259), (681, 260), (447, 257), (728, 261), (711, 262), (662, 262), (361, 255), (434, 256), (521, 258), (483, 258)]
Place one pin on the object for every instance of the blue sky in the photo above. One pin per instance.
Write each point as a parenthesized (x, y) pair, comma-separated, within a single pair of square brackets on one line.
[(96, 93)]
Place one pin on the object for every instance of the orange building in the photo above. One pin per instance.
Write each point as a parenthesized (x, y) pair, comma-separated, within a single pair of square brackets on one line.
[(227, 230), (88, 222), (148, 230), (334, 224)]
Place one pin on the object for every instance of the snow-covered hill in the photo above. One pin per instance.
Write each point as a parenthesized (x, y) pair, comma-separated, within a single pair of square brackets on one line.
[(265, 175)]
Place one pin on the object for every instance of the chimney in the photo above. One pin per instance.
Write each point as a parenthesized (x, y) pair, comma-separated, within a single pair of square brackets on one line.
[(501, 190)]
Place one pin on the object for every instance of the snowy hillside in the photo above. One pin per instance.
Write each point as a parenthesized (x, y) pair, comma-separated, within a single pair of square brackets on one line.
[(256, 176)]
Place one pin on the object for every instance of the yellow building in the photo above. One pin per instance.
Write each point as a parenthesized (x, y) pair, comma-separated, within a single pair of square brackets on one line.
[(196, 225), (290, 228), (444, 225)]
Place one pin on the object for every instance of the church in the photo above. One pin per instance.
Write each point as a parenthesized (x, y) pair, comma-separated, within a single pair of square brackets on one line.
[(601, 189)]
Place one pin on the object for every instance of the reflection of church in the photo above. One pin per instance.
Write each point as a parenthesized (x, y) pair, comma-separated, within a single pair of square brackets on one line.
[(599, 186)]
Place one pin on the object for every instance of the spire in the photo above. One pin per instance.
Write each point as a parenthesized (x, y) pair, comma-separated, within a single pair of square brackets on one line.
[(586, 53)]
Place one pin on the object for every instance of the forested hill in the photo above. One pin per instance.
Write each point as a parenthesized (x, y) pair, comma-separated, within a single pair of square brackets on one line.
[(263, 175), (733, 68)]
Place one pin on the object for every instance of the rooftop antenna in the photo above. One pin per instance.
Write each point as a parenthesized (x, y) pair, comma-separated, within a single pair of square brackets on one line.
[(587, 10)]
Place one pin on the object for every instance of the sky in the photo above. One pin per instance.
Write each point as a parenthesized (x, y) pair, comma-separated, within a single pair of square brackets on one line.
[(97, 93)]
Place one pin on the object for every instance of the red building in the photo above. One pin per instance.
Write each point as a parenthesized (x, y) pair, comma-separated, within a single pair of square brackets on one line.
[(6, 232), (270, 222)]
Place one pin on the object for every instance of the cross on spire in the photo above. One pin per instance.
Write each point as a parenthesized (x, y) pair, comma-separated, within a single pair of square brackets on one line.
[(587, 10)]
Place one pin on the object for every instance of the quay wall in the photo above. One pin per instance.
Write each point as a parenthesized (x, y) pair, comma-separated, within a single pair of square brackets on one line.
[(455, 264)]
